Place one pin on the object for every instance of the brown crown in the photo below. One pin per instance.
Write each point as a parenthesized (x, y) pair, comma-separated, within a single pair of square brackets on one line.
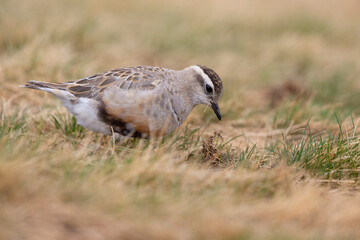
[(216, 80)]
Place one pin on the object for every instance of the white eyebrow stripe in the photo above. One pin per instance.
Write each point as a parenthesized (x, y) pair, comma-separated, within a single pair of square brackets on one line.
[(204, 76)]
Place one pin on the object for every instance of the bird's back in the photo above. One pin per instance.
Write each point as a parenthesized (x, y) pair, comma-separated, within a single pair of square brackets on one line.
[(142, 78)]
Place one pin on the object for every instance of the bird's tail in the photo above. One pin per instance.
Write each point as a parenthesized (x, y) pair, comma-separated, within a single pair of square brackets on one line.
[(45, 86), (58, 89)]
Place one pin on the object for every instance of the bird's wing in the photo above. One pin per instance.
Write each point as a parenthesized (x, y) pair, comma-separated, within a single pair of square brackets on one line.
[(123, 78)]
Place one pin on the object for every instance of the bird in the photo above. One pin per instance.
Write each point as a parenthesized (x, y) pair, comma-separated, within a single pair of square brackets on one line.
[(140, 102)]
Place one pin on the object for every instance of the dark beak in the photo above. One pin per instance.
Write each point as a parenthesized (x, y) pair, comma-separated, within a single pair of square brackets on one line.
[(216, 109)]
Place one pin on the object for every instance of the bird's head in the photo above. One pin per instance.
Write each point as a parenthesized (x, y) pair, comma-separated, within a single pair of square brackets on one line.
[(208, 88)]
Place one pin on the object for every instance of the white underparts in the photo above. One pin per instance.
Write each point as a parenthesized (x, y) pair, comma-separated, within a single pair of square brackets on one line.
[(204, 76), (84, 109), (86, 112)]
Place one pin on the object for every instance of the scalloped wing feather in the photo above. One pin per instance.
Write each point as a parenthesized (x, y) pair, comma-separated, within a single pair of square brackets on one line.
[(145, 78), (124, 78)]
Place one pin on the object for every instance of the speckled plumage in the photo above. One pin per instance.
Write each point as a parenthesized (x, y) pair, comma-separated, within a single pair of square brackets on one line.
[(139, 101)]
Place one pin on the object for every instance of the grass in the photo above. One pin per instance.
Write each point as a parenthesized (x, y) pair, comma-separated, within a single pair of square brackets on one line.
[(282, 164), (68, 126), (333, 156)]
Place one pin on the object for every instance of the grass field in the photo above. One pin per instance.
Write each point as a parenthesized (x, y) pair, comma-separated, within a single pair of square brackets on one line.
[(284, 163)]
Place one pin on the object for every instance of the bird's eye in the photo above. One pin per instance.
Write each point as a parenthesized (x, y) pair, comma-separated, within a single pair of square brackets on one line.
[(208, 89)]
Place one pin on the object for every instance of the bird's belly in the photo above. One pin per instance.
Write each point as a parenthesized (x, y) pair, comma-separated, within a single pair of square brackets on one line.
[(86, 113), (144, 128), (139, 113)]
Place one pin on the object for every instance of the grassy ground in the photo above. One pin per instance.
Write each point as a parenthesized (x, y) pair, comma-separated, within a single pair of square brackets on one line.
[(284, 162)]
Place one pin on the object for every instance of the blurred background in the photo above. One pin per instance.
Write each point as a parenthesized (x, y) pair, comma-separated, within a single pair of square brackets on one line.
[(283, 63), (265, 51), (251, 44)]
